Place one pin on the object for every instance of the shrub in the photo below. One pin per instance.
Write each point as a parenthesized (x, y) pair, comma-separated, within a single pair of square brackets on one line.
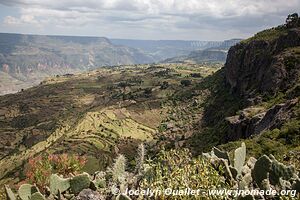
[(67, 164), (291, 132), (186, 82), (196, 75), (176, 169), (40, 168), (164, 85)]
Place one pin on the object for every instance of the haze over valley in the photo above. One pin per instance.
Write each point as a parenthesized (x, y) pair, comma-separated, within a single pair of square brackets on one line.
[(146, 99), (26, 60)]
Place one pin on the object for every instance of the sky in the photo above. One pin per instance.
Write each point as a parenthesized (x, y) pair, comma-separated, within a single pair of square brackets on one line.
[(204, 20)]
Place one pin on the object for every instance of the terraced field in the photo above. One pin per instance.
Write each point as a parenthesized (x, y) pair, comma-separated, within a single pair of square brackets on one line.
[(97, 114)]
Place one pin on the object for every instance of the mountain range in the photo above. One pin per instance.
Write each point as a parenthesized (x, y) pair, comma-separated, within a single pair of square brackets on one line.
[(25, 60), (149, 126), (216, 53)]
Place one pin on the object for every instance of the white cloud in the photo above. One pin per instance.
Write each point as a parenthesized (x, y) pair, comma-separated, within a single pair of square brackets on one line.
[(23, 20), (9, 20), (155, 16)]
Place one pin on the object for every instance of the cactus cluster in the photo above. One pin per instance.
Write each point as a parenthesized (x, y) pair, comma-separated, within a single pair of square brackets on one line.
[(27, 192), (58, 184), (265, 173), (170, 169), (59, 187), (80, 186), (221, 158), (278, 175)]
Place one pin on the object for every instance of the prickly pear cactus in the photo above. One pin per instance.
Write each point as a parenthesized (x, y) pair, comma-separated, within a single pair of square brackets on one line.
[(123, 197), (58, 184), (296, 185), (279, 170), (240, 158), (261, 169), (221, 154), (10, 195), (265, 184), (26, 190), (233, 171), (284, 185), (245, 181), (100, 183), (79, 183), (247, 197), (37, 196)]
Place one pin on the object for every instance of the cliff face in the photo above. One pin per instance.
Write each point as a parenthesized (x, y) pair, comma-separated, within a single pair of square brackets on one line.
[(264, 72), (265, 65), (25, 60)]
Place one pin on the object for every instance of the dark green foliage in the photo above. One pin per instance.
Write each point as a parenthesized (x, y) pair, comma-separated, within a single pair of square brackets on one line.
[(124, 84), (279, 170), (148, 92), (79, 183), (164, 85), (292, 20), (291, 132), (221, 154), (261, 170), (24, 121), (186, 82), (296, 185), (291, 62), (196, 75)]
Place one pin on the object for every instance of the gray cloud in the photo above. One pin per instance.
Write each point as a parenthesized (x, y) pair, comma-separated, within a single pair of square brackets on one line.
[(148, 19)]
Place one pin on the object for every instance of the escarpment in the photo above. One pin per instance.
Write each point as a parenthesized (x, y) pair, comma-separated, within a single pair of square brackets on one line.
[(264, 72), (264, 66)]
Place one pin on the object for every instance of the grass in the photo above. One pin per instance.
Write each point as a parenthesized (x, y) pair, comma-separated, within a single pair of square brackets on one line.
[(278, 142), (93, 110), (268, 35)]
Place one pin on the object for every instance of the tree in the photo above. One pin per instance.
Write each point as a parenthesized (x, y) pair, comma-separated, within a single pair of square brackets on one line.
[(164, 85), (186, 82), (292, 20)]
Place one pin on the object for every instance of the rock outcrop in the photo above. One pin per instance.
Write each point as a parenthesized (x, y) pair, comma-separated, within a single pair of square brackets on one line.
[(264, 66), (243, 125), (258, 70)]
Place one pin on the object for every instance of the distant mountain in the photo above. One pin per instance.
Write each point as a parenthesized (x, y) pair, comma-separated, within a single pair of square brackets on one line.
[(200, 56), (213, 54), (25, 60), (164, 49)]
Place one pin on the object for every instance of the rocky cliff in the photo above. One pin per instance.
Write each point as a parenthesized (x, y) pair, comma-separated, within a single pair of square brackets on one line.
[(265, 64), (264, 72)]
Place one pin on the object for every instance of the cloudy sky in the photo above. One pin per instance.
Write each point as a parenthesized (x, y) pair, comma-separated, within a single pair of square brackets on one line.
[(145, 19)]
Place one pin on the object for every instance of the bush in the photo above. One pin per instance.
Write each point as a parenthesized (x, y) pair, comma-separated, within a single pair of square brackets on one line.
[(186, 83), (164, 85), (291, 132), (196, 75), (177, 169), (24, 121), (40, 168), (148, 92)]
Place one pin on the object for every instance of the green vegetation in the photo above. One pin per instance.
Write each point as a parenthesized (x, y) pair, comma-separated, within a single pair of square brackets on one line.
[(85, 114), (174, 169), (268, 35), (166, 115)]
